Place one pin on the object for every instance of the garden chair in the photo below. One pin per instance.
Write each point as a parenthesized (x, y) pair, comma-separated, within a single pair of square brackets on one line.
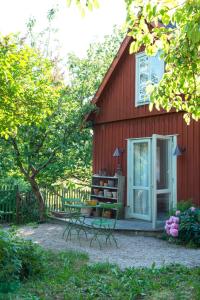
[(104, 226), (74, 218)]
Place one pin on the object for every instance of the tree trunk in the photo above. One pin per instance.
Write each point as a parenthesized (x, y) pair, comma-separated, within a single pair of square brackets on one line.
[(39, 197)]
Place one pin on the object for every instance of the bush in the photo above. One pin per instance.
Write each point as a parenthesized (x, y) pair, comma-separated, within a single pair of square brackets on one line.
[(19, 259), (182, 206), (185, 226)]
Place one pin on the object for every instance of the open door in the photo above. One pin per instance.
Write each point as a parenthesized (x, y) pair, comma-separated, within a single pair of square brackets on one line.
[(139, 179), (151, 178), (163, 177)]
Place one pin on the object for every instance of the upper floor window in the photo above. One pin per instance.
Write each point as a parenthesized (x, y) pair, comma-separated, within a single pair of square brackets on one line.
[(149, 69)]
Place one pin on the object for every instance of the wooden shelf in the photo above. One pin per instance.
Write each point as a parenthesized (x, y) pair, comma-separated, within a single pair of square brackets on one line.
[(106, 177), (117, 189), (105, 187), (103, 197)]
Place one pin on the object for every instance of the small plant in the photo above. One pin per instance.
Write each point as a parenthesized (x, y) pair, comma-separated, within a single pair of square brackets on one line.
[(185, 226)]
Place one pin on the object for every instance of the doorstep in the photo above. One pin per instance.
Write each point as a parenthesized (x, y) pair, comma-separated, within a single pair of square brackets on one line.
[(130, 226)]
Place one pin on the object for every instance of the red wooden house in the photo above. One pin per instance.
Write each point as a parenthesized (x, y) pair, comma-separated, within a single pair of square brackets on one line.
[(156, 175)]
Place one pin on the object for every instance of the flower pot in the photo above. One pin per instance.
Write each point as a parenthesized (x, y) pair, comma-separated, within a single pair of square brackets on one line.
[(110, 182), (114, 194), (96, 191), (86, 211)]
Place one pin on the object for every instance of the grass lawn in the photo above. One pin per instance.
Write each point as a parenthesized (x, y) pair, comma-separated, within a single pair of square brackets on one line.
[(68, 276)]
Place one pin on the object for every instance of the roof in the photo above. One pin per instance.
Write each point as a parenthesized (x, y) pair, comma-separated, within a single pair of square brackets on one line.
[(110, 71), (112, 67)]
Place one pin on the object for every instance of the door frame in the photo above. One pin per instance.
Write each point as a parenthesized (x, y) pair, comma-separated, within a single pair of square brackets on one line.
[(152, 183), (172, 190)]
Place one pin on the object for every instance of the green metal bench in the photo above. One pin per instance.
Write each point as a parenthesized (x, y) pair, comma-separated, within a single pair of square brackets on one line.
[(105, 226)]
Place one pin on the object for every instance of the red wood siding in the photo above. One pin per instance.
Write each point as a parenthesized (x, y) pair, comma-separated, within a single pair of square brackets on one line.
[(118, 119), (108, 136)]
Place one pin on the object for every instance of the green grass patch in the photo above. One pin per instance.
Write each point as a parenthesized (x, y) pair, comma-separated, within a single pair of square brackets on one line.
[(69, 276)]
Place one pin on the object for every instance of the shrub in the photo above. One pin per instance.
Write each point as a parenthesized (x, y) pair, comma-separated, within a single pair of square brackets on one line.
[(182, 206), (185, 226), (19, 259)]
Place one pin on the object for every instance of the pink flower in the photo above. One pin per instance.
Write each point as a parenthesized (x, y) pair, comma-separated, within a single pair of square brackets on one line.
[(175, 220), (177, 212), (192, 208), (174, 226), (174, 232), (167, 229), (170, 221)]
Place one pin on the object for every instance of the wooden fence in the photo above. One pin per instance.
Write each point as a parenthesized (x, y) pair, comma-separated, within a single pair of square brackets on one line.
[(8, 196), (53, 198), (21, 207)]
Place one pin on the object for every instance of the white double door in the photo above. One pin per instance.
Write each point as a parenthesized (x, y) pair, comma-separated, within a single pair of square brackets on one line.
[(151, 177)]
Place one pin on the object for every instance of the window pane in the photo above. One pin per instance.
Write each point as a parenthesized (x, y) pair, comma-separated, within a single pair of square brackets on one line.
[(162, 164), (143, 68), (150, 69), (140, 161), (141, 202), (162, 206), (156, 68)]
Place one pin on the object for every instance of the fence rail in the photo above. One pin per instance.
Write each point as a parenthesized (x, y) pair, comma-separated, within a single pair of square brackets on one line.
[(53, 201), (23, 207)]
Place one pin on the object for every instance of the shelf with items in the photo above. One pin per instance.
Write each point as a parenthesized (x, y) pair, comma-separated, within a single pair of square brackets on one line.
[(105, 181), (105, 187), (106, 177), (108, 189), (103, 197)]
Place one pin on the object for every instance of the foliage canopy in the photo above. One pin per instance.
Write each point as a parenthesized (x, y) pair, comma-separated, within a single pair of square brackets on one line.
[(28, 91), (50, 143)]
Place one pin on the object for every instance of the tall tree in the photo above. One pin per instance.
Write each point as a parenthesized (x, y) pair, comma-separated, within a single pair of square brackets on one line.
[(171, 26), (86, 74), (40, 151), (28, 91), (58, 145)]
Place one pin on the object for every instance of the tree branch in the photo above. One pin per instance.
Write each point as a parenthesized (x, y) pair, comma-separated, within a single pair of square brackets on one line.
[(18, 155), (36, 171), (39, 146)]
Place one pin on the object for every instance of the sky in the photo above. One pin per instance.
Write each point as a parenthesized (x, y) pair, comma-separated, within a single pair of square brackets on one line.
[(74, 31)]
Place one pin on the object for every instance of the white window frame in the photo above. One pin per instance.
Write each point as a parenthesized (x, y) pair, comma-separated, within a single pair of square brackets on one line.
[(137, 86)]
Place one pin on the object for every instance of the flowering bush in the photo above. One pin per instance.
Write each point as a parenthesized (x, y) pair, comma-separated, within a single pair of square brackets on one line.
[(185, 226)]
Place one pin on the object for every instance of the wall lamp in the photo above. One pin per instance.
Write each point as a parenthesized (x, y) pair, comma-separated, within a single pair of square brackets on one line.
[(117, 153), (179, 151)]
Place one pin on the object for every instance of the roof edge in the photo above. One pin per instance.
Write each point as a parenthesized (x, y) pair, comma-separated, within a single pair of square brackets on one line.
[(110, 71)]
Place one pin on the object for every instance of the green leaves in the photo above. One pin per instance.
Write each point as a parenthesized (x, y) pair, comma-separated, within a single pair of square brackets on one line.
[(28, 91), (82, 5), (178, 37)]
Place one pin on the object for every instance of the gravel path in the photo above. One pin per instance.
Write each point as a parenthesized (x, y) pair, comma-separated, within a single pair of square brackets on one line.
[(133, 251)]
